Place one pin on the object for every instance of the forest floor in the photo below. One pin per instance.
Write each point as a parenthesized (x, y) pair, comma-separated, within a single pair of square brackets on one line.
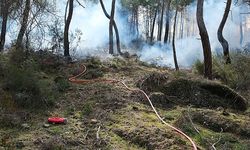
[(107, 116)]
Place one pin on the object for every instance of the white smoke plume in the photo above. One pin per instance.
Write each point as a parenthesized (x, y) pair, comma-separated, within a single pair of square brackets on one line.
[(94, 26), (189, 49), (92, 22)]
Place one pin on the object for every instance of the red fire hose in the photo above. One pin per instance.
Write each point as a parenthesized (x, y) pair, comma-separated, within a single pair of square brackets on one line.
[(83, 81), (57, 120)]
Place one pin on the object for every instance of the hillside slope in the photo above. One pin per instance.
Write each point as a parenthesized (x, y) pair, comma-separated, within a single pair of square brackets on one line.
[(108, 116)]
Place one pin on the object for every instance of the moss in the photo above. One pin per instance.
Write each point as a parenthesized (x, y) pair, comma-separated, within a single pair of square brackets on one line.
[(218, 122), (195, 92), (143, 128), (87, 108), (234, 100), (55, 130), (125, 122), (117, 142)]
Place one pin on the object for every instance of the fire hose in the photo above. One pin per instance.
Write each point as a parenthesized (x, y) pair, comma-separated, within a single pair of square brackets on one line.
[(85, 81)]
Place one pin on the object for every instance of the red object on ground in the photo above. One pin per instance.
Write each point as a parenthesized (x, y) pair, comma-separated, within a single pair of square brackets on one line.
[(57, 120)]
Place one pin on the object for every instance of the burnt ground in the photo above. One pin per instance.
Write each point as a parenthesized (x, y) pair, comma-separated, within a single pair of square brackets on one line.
[(107, 116)]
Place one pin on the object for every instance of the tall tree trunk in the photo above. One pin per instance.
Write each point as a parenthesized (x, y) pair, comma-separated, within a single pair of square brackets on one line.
[(153, 28), (222, 40), (66, 28), (182, 25), (161, 22), (5, 6), (137, 22), (241, 31), (173, 42), (205, 40), (118, 45), (111, 23), (24, 23), (167, 22), (147, 24)]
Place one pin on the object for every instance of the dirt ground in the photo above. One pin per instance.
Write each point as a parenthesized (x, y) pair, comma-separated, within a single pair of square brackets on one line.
[(107, 116)]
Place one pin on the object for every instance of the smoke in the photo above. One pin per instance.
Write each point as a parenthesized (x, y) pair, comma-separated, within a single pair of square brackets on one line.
[(189, 49), (95, 27), (92, 22)]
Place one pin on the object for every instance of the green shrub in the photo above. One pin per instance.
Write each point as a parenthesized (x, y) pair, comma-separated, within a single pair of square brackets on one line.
[(3, 60), (93, 62), (241, 63), (17, 55), (26, 88), (62, 84), (23, 86), (179, 74), (198, 67), (48, 91), (235, 75), (6, 101)]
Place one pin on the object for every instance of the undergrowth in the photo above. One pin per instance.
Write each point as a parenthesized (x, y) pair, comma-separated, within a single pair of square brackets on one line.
[(22, 84), (236, 75)]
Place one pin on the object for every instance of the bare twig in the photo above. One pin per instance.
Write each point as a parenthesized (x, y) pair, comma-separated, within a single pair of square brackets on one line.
[(66, 11), (97, 133), (190, 119), (245, 13), (203, 138), (86, 134), (80, 4), (213, 146)]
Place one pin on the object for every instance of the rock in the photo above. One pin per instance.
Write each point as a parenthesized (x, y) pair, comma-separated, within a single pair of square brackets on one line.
[(93, 121), (46, 125)]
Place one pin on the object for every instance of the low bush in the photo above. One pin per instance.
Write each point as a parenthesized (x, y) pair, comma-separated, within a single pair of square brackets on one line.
[(236, 75), (26, 88), (21, 82), (17, 55), (198, 67), (62, 84)]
